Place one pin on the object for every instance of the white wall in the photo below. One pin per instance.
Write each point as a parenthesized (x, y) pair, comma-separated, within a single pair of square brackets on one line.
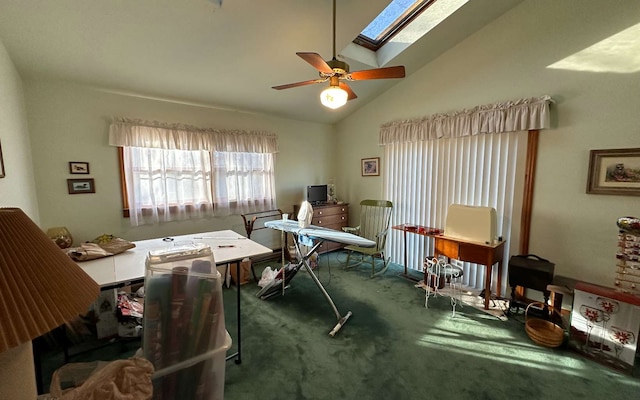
[(69, 122), (510, 59), (17, 188)]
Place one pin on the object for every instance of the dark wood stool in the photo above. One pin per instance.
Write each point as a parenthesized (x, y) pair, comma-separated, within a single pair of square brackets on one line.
[(560, 287), (532, 272)]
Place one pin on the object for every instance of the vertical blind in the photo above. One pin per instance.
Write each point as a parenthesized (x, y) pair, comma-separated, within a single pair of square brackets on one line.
[(473, 157), (423, 178)]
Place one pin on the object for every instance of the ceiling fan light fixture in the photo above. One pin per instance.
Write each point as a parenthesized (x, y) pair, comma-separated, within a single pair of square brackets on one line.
[(333, 97)]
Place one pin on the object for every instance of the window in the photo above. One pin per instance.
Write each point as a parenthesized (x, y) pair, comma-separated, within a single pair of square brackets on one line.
[(390, 21), (397, 28), (174, 173)]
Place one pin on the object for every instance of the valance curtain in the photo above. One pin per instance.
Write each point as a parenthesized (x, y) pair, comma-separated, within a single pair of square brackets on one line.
[(473, 157), (150, 134), (510, 116), (176, 172)]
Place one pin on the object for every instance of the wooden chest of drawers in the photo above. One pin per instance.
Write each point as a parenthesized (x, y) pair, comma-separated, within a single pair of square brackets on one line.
[(333, 216)]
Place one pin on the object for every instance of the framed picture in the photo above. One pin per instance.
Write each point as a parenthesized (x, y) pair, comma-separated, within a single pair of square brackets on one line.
[(614, 171), (1, 163), (77, 186), (371, 166), (77, 167)]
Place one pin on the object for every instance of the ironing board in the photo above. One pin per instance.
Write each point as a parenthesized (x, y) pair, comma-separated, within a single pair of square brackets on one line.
[(319, 235)]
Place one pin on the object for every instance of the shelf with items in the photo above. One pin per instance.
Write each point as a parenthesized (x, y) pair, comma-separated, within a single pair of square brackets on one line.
[(628, 262)]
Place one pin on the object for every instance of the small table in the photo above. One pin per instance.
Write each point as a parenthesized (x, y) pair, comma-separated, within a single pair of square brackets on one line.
[(418, 230), (486, 254)]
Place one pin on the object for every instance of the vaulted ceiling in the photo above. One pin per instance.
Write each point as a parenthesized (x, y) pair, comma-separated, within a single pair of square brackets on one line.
[(196, 51)]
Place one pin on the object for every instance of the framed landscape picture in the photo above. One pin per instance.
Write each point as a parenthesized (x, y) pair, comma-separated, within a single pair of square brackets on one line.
[(78, 186), (371, 166), (614, 171)]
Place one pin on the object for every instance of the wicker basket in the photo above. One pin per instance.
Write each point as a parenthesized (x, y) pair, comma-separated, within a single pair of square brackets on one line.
[(543, 332)]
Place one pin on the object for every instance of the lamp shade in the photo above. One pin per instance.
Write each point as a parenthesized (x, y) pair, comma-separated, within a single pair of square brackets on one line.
[(41, 287), (333, 97)]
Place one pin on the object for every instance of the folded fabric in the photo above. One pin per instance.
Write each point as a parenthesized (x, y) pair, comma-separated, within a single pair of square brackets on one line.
[(87, 251), (113, 244), (102, 246)]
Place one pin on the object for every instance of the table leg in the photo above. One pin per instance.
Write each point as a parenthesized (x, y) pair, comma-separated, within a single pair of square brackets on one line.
[(406, 257), (406, 271), (237, 355), (499, 288), (487, 286)]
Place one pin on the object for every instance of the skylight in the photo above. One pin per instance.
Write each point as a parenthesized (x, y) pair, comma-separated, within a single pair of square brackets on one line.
[(398, 26), (391, 20)]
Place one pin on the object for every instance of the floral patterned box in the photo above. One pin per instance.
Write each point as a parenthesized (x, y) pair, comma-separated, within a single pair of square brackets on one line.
[(605, 324)]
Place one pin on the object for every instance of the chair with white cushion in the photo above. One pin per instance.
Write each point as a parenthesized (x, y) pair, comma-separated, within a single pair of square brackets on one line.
[(438, 274)]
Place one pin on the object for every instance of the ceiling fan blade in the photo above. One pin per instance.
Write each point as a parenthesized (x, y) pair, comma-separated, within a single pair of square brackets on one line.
[(316, 62), (292, 85), (378, 73), (347, 88)]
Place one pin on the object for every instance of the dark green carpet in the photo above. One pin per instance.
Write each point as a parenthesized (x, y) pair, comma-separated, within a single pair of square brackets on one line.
[(391, 348), (394, 348)]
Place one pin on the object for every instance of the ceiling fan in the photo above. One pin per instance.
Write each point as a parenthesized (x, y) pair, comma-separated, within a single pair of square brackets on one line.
[(336, 72)]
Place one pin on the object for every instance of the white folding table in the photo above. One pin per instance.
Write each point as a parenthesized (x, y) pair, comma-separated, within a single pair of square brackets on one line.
[(128, 267)]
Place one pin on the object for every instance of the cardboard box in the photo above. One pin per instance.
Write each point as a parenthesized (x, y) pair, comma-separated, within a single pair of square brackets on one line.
[(245, 271)]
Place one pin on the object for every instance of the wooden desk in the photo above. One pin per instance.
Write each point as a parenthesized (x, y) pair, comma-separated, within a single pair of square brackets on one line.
[(475, 252), (479, 253)]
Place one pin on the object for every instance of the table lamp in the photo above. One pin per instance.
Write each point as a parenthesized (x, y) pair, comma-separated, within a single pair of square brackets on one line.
[(41, 288)]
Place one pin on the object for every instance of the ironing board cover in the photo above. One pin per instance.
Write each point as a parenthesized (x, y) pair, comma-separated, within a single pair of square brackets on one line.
[(318, 232)]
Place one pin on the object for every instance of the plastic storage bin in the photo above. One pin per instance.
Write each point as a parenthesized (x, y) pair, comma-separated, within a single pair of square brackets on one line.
[(184, 329), (200, 377)]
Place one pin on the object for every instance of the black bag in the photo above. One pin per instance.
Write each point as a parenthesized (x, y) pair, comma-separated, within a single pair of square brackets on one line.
[(530, 271)]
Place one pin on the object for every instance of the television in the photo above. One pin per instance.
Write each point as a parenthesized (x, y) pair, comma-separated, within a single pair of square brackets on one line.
[(317, 194)]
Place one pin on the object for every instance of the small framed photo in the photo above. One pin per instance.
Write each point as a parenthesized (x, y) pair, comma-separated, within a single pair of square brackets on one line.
[(614, 171), (1, 163), (78, 186), (78, 167), (371, 166)]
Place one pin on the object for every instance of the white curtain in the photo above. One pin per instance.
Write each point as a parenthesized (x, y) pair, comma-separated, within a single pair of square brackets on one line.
[(478, 160), (176, 172)]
